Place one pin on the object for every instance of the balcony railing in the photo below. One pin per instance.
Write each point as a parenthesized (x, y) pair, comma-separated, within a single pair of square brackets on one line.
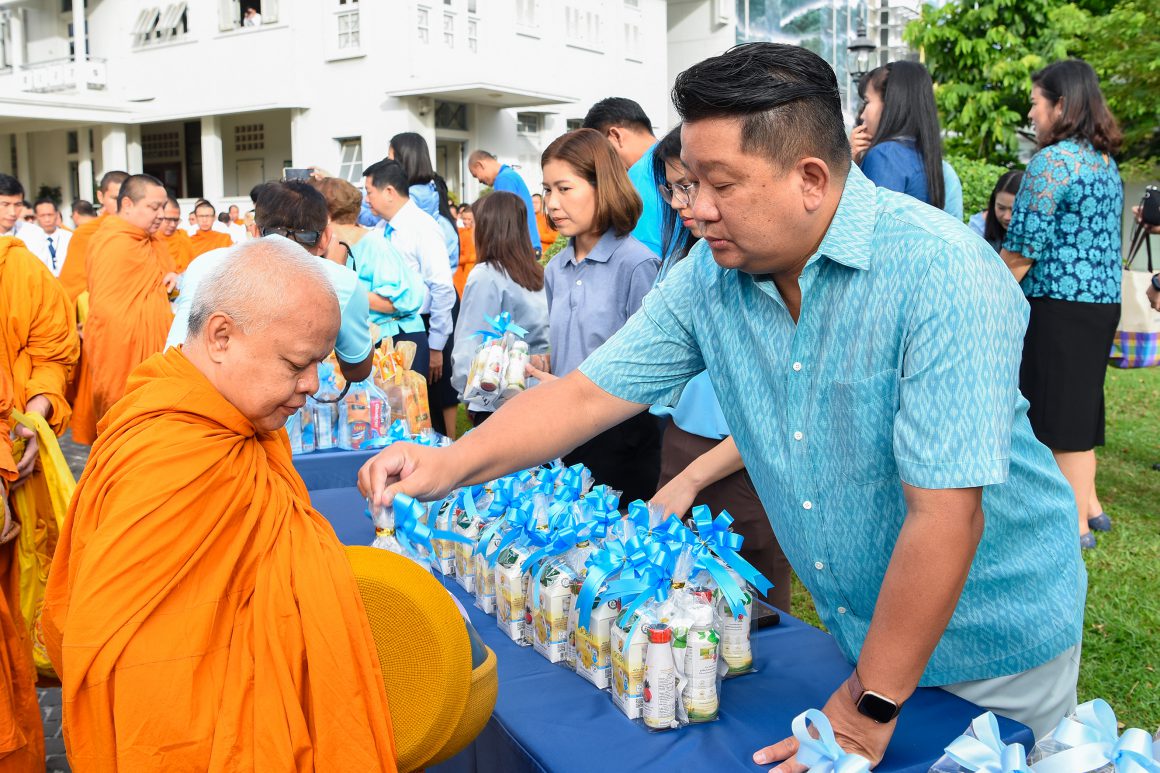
[(63, 75)]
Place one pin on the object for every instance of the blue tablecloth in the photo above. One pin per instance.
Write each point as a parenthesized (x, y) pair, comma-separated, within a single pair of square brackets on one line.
[(331, 469), (548, 719)]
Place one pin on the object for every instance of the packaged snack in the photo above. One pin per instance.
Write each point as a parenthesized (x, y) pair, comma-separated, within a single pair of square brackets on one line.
[(443, 554), (515, 371), (627, 646), (363, 417), (736, 630), (696, 643), (325, 422), (593, 645), (300, 429), (551, 607), (513, 609)]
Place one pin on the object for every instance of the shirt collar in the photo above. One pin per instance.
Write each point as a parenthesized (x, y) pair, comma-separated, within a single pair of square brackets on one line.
[(604, 248), (847, 240)]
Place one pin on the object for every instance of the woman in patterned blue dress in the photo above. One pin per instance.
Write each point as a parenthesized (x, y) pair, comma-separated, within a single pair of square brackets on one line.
[(1063, 244)]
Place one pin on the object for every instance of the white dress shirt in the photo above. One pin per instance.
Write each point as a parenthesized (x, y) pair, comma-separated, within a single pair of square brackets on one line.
[(50, 248), (416, 234)]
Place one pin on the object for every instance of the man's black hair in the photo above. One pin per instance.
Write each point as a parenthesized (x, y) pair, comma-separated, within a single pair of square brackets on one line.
[(46, 200), (617, 111), (785, 96), (388, 172)]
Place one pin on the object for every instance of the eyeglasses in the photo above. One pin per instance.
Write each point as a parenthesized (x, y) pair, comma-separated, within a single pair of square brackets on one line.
[(304, 238), (679, 195)]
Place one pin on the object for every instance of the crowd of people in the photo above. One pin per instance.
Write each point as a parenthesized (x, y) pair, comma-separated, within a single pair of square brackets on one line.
[(758, 311)]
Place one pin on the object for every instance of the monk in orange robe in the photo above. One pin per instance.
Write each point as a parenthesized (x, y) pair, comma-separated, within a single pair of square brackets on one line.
[(175, 240), (205, 238), (203, 616), (467, 257), (73, 274), (548, 234), (21, 731), (130, 276)]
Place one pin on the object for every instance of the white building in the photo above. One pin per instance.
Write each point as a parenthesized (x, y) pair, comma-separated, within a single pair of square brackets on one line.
[(186, 92)]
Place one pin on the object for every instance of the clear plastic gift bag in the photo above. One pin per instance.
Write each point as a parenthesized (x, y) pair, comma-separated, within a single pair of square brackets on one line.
[(981, 748), (1088, 740), (364, 418)]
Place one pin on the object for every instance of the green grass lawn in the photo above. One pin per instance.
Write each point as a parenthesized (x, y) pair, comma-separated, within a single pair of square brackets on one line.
[(1121, 643)]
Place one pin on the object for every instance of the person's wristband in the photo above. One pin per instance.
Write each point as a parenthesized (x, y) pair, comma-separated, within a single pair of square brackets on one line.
[(1156, 282)]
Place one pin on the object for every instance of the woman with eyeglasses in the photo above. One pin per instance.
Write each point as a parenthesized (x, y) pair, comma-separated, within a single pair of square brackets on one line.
[(594, 285), (700, 463), (394, 291)]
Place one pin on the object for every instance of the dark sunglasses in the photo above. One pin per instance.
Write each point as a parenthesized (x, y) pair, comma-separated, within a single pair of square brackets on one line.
[(304, 238)]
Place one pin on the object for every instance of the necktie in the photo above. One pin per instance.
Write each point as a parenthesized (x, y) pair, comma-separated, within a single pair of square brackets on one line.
[(388, 229), (52, 253)]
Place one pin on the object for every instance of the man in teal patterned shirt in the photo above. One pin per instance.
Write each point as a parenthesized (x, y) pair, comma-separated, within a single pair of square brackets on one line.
[(865, 348)]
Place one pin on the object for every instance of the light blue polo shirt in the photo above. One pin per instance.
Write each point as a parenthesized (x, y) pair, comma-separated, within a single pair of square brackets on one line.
[(382, 269), (902, 367), (508, 179), (649, 229)]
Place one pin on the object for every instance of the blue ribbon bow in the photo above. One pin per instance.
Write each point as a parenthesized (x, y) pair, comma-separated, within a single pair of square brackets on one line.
[(1095, 742), (499, 325), (718, 536), (822, 754), (985, 752)]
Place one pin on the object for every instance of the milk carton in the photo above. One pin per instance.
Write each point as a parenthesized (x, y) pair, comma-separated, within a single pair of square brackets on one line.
[(465, 553), (513, 612), (444, 556), (485, 576), (628, 668), (550, 613), (594, 644)]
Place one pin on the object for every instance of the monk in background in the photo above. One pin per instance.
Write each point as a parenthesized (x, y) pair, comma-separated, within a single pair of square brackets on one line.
[(203, 616), (74, 274), (205, 238), (175, 240), (21, 731), (130, 276)]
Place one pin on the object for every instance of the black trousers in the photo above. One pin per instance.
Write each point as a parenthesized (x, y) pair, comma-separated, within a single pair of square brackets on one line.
[(626, 457)]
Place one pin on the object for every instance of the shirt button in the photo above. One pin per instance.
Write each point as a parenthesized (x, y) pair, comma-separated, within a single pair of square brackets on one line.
[(798, 436), (797, 366), (819, 565), (579, 281), (807, 505), (841, 610)]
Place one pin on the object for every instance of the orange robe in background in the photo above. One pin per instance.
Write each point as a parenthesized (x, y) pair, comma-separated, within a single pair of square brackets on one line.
[(180, 249), (129, 318), (73, 274), (467, 258), (548, 234), (21, 731), (203, 615), (204, 241)]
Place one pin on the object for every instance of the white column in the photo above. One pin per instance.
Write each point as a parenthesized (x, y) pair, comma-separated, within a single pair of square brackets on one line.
[(80, 32), (24, 165), (85, 165), (16, 35), (213, 178), (114, 151), (136, 164)]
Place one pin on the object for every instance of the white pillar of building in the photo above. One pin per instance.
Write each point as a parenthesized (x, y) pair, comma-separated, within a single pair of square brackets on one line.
[(24, 164), (80, 32), (136, 163), (85, 165), (213, 178), (114, 150), (16, 35)]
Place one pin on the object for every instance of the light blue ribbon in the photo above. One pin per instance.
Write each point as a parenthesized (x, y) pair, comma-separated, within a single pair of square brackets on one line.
[(718, 536), (679, 535), (985, 752), (411, 529), (822, 754), (499, 325), (1095, 742)]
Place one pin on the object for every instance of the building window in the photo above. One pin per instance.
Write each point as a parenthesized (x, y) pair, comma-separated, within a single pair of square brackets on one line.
[(528, 14), (449, 30), (246, 14), (161, 146), (527, 123), (632, 3), (471, 6), (424, 25), (582, 28), (350, 165), (473, 36), (572, 124), (348, 38), (248, 137), (632, 42), (73, 143), (145, 29), (451, 116)]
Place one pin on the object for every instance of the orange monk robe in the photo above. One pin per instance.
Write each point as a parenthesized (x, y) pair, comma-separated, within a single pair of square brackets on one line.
[(129, 318), (204, 241), (73, 274), (203, 615), (179, 247), (21, 731), (548, 234), (467, 258)]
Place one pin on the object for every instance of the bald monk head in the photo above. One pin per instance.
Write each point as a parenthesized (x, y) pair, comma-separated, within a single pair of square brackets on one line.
[(170, 217), (141, 202), (259, 325), (204, 215), (110, 190)]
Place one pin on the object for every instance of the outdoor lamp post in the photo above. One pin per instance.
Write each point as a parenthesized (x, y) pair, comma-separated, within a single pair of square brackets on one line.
[(859, 54)]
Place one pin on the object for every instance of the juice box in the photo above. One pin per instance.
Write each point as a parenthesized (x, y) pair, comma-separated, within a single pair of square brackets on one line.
[(513, 611), (550, 616), (628, 669), (444, 556), (594, 645), (464, 553), (485, 580)]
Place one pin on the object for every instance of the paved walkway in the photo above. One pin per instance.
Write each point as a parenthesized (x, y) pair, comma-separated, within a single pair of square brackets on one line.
[(55, 760)]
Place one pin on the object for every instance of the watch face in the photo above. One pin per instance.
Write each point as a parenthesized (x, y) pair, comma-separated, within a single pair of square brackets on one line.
[(878, 708)]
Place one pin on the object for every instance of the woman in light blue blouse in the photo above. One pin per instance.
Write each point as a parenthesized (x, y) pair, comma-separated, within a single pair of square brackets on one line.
[(1063, 244), (700, 463)]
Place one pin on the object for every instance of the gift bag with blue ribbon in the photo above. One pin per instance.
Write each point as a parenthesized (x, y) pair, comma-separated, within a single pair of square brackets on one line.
[(981, 750), (1088, 741)]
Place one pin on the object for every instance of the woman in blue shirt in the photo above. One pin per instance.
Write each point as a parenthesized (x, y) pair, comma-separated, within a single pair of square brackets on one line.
[(1063, 244), (902, 139), (700, 463), (594, 285), (992, 222)]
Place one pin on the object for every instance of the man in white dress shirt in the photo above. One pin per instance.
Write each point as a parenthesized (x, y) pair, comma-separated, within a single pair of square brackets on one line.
[(47, 240)]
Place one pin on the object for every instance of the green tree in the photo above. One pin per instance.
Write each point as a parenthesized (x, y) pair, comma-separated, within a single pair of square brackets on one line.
[(981, 54)]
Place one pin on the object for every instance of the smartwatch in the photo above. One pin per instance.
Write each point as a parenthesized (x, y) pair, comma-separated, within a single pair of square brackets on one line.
[(1156, 282), (871, 704)]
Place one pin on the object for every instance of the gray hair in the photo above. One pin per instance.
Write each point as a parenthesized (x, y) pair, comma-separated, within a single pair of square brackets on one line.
[(253, 283)]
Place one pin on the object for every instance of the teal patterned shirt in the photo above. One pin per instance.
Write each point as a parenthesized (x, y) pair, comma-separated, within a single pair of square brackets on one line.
[(902, 367)]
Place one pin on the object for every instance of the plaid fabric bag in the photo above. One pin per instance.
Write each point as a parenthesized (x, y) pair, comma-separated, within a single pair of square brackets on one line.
[(1137, 342)]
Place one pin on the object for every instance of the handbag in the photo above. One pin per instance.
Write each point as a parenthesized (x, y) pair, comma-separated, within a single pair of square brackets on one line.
[(1137, 342)]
